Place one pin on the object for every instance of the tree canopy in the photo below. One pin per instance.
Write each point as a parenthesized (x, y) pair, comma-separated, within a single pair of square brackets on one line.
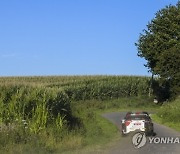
[(160, 45)]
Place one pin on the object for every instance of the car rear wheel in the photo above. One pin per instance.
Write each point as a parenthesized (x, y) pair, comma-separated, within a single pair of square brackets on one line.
[(122, 134)]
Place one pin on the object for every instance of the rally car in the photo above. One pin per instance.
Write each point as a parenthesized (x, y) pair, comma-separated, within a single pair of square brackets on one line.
[(139, 121)]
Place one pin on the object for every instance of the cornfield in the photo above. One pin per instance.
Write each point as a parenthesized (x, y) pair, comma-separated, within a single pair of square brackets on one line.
[(44, 101)]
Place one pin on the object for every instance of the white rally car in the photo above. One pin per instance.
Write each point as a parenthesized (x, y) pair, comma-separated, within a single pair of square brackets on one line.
[(139, 121)]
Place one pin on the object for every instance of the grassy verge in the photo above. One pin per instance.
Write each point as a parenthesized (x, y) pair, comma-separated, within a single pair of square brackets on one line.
[(99, 134), (159, 120), (168, 114)]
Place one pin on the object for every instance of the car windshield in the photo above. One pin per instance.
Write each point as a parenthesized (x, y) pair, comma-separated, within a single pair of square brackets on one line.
[(137, 117)]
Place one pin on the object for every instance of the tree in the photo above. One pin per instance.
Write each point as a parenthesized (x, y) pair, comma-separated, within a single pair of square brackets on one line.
[(160, 46)]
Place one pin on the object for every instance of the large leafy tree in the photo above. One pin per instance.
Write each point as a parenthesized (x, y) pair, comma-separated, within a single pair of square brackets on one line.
[(160, 46)]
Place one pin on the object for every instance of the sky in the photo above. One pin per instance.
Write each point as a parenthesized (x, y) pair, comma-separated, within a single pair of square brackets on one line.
[(73, 37)]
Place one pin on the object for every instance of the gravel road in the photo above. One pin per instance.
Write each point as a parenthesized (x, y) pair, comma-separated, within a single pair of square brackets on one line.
[(125, 146)]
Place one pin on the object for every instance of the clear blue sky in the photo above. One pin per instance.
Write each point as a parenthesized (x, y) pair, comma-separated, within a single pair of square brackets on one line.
[(73, 37)]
